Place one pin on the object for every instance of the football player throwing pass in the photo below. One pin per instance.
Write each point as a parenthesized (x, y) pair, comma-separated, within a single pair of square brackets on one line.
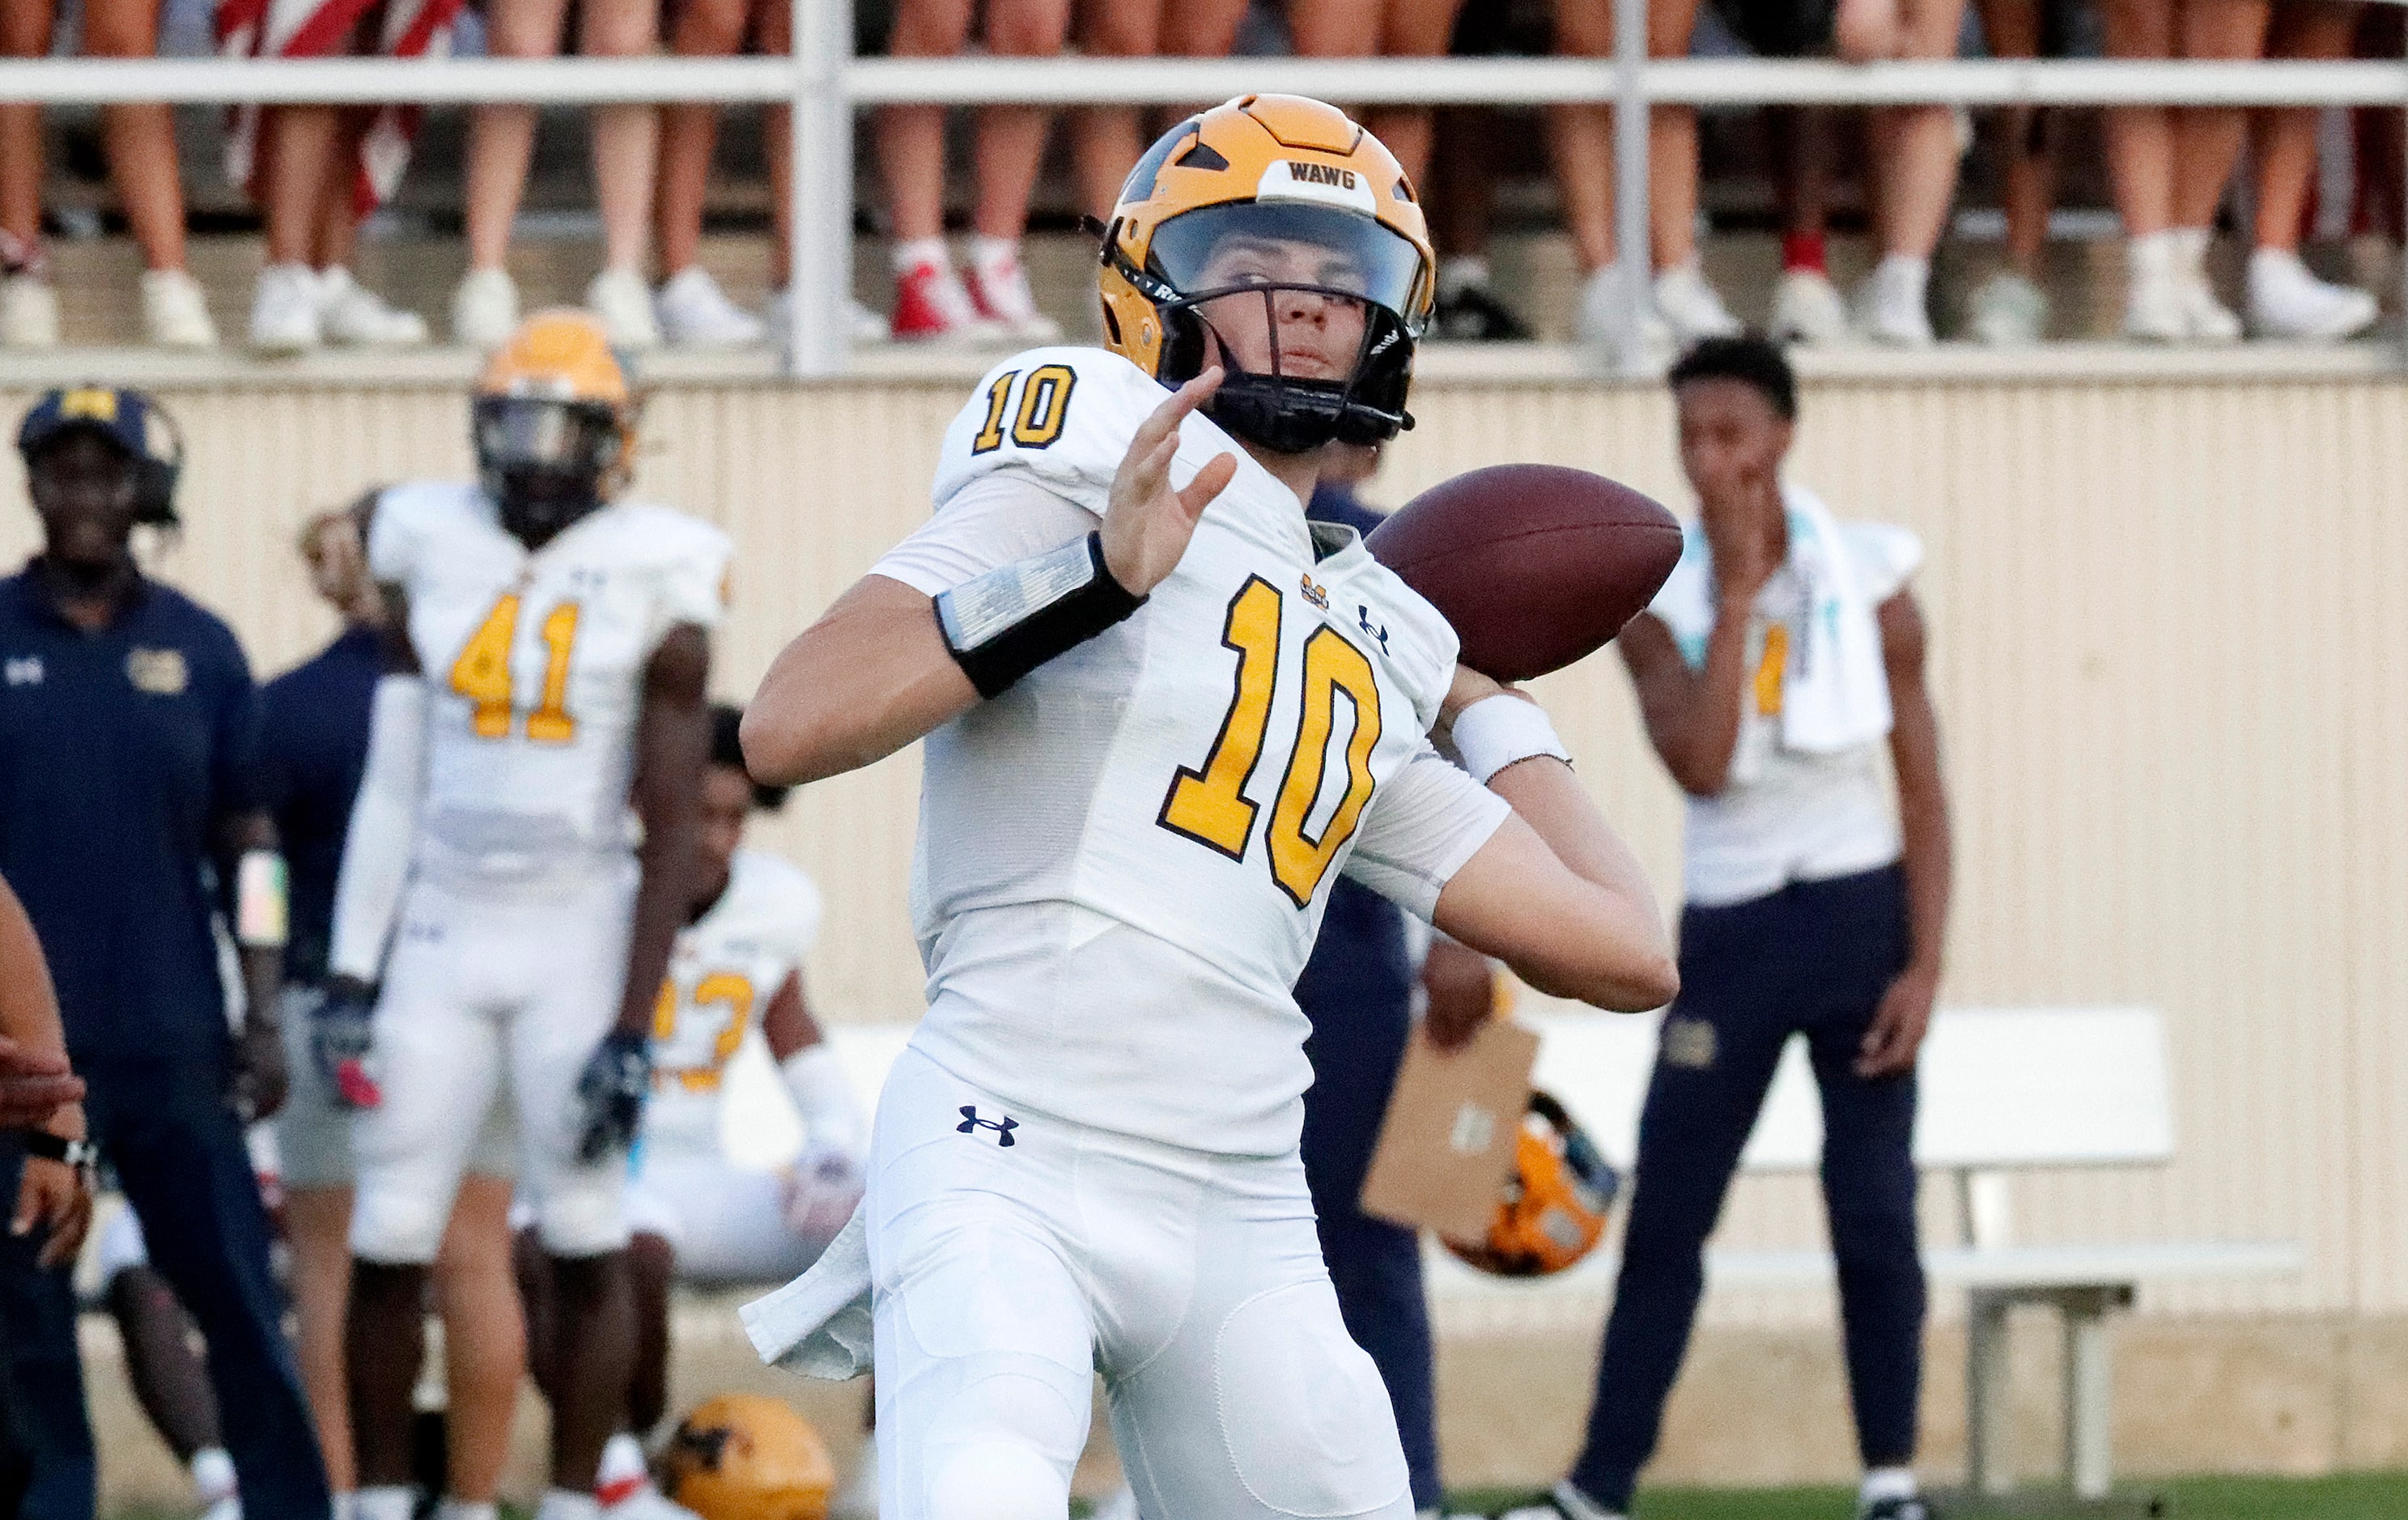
[(550, 649), (1163, 714)]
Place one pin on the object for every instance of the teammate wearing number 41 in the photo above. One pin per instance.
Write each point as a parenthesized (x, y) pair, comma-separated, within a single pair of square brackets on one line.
[(1163, 714), (548, 653)]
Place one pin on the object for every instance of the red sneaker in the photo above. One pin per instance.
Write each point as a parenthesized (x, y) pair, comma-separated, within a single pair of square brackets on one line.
[(931, 306)]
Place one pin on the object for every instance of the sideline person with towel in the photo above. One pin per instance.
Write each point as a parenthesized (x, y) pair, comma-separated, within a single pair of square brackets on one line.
[(1782, 653)]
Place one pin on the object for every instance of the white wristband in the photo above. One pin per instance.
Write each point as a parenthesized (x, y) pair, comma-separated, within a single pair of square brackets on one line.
[(823, 1095), (1498, 731)]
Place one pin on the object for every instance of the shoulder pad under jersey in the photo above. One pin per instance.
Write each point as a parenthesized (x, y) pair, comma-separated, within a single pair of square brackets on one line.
[(778, 897), (1064, 414), (414, 516)]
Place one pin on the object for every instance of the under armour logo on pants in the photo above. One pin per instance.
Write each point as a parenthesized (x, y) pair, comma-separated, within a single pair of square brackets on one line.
[(972, 1123)]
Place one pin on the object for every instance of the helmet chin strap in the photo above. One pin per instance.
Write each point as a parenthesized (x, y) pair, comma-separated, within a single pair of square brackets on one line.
[(535, 518)]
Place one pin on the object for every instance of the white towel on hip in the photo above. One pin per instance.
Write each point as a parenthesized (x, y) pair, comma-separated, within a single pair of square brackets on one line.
[(1835, 694), (819, 1324)]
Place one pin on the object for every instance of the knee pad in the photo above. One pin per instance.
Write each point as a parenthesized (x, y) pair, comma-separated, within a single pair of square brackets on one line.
[(397, 1227), (995, 1452), (582, 1214)]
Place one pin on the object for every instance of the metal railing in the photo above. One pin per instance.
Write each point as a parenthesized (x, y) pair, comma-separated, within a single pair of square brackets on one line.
[(826, 85)]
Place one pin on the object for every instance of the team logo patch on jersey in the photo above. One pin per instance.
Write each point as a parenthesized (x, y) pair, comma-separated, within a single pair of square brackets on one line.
[(1315, 593), (971, 1123), (162, 672)]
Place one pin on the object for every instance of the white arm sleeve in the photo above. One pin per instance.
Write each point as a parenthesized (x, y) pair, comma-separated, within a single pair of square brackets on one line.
[(1424, 824), (992, 521), (375, 847)]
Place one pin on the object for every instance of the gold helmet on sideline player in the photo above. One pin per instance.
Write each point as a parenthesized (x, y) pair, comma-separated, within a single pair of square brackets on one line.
[(749, 1457), (1277, 169), (1554, 1209), (554, 423)]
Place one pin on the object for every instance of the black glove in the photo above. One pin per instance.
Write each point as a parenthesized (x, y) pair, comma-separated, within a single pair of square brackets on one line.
[(617, 1076), (343, 1034)]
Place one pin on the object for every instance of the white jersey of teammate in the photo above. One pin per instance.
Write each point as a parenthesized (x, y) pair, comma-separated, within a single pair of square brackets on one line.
[(726, 1223), (1123, 859), (727, 965), (535, 666), (511, 953)]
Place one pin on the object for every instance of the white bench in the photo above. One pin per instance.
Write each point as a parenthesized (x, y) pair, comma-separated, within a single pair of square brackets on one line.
[(2000, 1089)]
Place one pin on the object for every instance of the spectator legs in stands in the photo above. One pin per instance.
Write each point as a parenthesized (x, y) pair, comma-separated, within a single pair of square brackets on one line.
[(2286, 300), (2010, 308), (691, 309), (1915, 153), (1806, 306), (305, 294)]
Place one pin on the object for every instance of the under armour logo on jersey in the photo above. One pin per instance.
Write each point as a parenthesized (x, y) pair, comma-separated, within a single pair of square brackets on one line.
[(25, 671), (971, 1123), (1378, 631)]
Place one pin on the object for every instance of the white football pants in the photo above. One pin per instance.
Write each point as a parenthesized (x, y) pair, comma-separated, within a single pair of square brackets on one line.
[(485, 986), (725, 1223), (1014, 1255)]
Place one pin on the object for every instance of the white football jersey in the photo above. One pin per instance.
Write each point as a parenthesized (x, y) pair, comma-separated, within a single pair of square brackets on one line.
[(727, 967), (1123, 860), (535, 666)]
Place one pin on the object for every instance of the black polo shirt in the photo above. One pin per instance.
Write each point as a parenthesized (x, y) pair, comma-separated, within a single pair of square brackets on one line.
[(315, 745), (119, 751)]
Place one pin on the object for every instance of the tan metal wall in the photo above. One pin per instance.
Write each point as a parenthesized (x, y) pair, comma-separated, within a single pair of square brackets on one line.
[(2171, 622)]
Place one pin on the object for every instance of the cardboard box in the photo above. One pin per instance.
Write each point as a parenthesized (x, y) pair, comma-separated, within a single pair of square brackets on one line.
[(1446, 1146)]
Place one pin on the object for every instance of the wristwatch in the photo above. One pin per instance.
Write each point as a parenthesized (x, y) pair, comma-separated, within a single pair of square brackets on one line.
[(82, 1155)]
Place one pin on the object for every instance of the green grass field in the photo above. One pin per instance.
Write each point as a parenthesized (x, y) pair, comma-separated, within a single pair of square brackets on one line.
[(2365, 1495)]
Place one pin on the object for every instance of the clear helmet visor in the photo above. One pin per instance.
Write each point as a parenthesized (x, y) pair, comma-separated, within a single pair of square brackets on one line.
[(518, 433), (1251, 244)]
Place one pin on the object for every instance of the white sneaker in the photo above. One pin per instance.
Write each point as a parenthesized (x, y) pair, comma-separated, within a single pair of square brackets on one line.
[(999, 289), (175, 313), (484, 308), (863, 325), (1891, 308), (1807, 308), (29, 313), (693, 313), (1604, 317), (2153, 302), (2210, 321), (285, 316), (625, 303), (2008, 310), (351, 313), (2286, 300), (648, 1503), (1691, 308), (1564, 1502)]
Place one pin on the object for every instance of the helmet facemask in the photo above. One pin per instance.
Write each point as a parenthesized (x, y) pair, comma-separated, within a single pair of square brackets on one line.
[(545, 461), (1204, 262)]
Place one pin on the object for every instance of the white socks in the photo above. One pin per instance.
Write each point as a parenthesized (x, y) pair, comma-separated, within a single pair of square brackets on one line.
[(461, 1508), (392, 1502), (910, 254), (994, 253), (1885, 1483), (212, 1472)]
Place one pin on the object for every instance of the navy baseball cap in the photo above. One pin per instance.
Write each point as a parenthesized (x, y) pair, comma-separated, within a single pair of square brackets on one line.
[(126, 418)]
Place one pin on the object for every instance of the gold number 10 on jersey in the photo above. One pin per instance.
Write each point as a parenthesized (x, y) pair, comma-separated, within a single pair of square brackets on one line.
[(1210, 806), (482, 673)]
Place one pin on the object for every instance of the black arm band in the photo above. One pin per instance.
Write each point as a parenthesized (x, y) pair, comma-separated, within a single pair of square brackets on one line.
[(1009, 620), (82, 1155)]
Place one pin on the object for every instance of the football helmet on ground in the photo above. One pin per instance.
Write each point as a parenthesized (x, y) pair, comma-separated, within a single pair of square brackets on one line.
[(1555, 1206), (749, 1457)]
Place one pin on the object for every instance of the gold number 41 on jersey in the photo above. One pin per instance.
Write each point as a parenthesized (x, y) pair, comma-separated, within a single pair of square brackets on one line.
[(1210, 806), (482, 673)]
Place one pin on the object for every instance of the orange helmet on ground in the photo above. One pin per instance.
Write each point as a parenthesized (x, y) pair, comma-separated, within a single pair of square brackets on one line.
[(554, 423), (1271, 169), (1555, 1204), (747, 1457)]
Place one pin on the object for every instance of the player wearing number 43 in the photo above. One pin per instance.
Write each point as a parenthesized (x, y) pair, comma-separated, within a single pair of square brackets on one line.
[(548, 651), (1163, 714)]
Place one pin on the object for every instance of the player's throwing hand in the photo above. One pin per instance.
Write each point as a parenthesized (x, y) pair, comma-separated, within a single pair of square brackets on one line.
[(1148, 520)]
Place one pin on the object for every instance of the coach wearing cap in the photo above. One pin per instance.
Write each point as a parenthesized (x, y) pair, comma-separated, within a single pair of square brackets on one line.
[(128, 825)]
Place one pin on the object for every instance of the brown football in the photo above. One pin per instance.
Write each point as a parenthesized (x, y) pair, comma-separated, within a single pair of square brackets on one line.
[(1535, 565)]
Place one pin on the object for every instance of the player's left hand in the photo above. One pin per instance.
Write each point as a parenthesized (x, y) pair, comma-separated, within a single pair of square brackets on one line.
[(611, 1093), (821, 1191), (1899, 1023), (56, 1197), (260, 1079)]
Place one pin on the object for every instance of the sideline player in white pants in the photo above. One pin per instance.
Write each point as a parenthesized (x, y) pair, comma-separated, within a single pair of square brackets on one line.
[(693, 1214), (550, 662), (1162, 713)]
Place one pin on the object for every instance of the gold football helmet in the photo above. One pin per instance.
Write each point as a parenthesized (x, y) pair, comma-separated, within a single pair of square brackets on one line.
[(1555, 1206), (1285, 169), (554, 422), (747, 1457)]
